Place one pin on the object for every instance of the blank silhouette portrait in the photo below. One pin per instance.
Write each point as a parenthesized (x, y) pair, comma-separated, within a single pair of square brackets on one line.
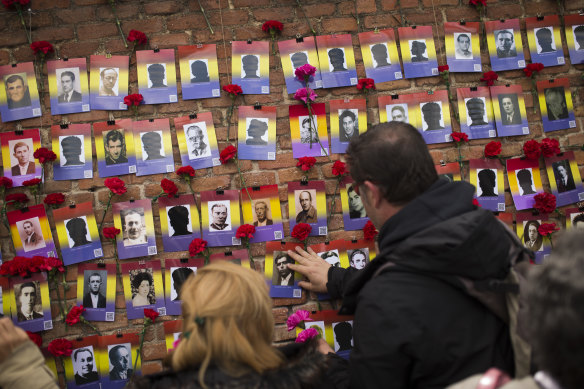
[(475, 109), (380, 56), (579, 36), (299, 59), (487, 183), (77, 231), (256, 130), (179, 276), (157, 74), (545, 40), (152, 144), (563, 176), (555, 102), (250, 65), (178, 218), (72, 148), (418, 48), (337, 59), (432, 114), (343, 335), (525, 181), (199, 72)]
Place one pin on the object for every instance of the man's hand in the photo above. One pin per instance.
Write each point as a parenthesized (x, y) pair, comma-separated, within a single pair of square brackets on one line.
[(10, 338), (311, 266)]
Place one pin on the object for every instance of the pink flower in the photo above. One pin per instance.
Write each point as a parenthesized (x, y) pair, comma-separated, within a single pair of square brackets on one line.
[(305, 94), (304, 72), (306, 335), (298, 317)]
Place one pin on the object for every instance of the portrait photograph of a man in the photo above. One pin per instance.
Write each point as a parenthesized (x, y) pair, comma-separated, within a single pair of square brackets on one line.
[(282, 276), (331, 257), (197, 140), (555, 101), (69, 87), (30, 233), (114, 144), (397, 113), (108, 81), (358, 258), (77, 231), (262, 213), (219, 215), (509, 107), (356, 208), (72, 150), (133, 226), (28, 301), (21, 158), (348, 124), (179, 220), (306, 206), (17, 92), (563, 176), (94, 288), (462, 45), (505, 43), (84, 366), (578, 31), (120, 361)]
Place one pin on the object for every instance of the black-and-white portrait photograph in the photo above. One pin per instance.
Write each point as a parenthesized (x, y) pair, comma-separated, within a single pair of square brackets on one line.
[(178, 276), (476, 112), (250, 66), (555, 102), (114, 145), (219, 215), (84, 366), (348, 124), (380, 55), (72, 150), (305, 134), (331, 257), (21, 158), (94, 289), (577, 220), (179, 220), (563, 176), (397, 113), (197, 140), (418, 50), (133, 226), (505, 43), (532, 239), (199, 70), (68, 86), (262, 212), (356, 208), (432, 116), (77, 231), (142, 282), (17, 91), (120, 361), (28, 301), (525, 181), (358, 258), (156, 75), (152, 145), (487, 183), (343, 335), (31, 234), (108, 81), (578, 32), (256, 131), (544, 40), (509, 107), (281, 275), (463, 45), (337, 59), (298, 59), (305, 205)]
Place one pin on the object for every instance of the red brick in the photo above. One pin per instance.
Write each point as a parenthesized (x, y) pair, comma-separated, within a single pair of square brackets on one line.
[(169, 40), (48, 4), (186, 22), (162, 8), (275, 13), (75, 15), (96, 31), (151, 25), (230, 18), (250, 3), (339, 25)]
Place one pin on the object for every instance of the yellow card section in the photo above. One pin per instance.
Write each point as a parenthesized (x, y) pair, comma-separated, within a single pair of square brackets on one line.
[(550, 174), (276, 211), (350, 57), (53, 89), (328, 335), (512, 182), (211, 135), (294, 131), (7, 297), (366, 55), (236, 66), (213, 68), (92, 225), (55, 147), (167, 141), (362, 117), (157, 277), (382, 114), (195, 218), (518, 40), (334, 127), (62, 234), (531, 40), (569, 37), (142, 75), (500, 181), (271, 131), (110, 292), (473, 176), (80, 286), (129, 136), (413, 114), (127, 287), (475, 43), (344, 259), (320, 202), (344, 197), (449, 42), (83, 80), (568, 96), (52, 365), (392, 51), (537, 179), (182, 142), (88, 148), (269, 266), (98, 147), (489, 108), (163, 220), (45, 296), (68, 364), (446, 113), (431, 49), (138, 365), (322, 129), (169, 338), (138, 148), (170, 73), (461, 109), (246, 209), (185, 71), (118, 225), (149, 222), (496, 108), (492, 45), (167, 283), (520, 229), (94, 78), (205, 214), (291, 205), (103, 358), (45, 228), (264, 64), (405, 51), (241, 128), (235, 217), (15, 237), (575, 171)]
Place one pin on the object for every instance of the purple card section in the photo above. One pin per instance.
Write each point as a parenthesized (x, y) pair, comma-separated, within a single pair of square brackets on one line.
[(421, 69), (499, 64), (318, 229), (109, 384), (65, 108), (386, 73), (163, 165), (437, 136), (354, 224), (268, 233), (35, 325), (492, 203), (138, 312), (107, 103), (31, 111), (293, 84), (338, 79), (220, 238), (570, 197), (173, 307), (513, 129), (555, 58), (105, 170), (285, 291), (61, 173), (159, 95), (524, 202), (179, 243), (464, 65), (47, 251), (256, 153), (82, 254), (338, 147), (202, 163), (101, 314), (253, 86), (303, 149), (480, 131), (201, 90), (138, 250), (540, 255), (560, 124), (576, 56)]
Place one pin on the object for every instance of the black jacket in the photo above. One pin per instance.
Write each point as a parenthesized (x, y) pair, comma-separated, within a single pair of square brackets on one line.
[(413, 326)]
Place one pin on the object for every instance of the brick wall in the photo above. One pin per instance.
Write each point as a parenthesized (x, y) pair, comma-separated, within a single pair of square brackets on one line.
[(79, 28)]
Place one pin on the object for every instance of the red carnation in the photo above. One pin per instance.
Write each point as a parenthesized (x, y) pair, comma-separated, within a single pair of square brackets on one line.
[(339, 168), (110, 232), (150, 314), (74, 315), (490, 77), (547, 229), (545, 202), (42, 47), (54, 199), (61, 347), (17, 198), (478, 2), (492, 149), (366, 83), (228, 154), (18, 266), (550, 147), (476, 202), (5, 182), (306, 163), (301, 231), (443, 68), (133, 99), (36, 264), (245, 231), (10, 3), (197, 246), (50, 263), (233, 89), (369, 231), (36, 338), (32, 182), (169, 187), (186, 171), (459, 137), (533, 68), (116, 185), (272, 25), (44, 155), (532, 149), (138, 37)]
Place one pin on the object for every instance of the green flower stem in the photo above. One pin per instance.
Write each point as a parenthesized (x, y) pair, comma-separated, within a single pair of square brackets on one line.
[(230, 114), (21, 16), (87, 323), (146, 324), (273, 35), (205, 16), (109, 201), (534, 93), (113, 7), (55, 284), (306, 18), (459, 159), (242, 180)]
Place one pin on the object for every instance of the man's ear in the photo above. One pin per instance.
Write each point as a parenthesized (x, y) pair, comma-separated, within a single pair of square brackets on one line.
[(373, 193)]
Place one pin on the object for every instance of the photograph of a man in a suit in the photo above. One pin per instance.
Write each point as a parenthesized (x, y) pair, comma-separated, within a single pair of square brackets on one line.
[(70, 95), (94, 298), (509, 106), (32, 239), (25, 165), (26, 300), (261, 210), (120, 363)]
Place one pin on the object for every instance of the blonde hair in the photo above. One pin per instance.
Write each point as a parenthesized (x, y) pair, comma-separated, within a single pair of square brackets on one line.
[(238, 324)]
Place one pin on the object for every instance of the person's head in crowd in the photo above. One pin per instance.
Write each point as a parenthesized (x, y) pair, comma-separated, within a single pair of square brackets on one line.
[(77, 229), (487, 182), (398, 114), (179, 277), (579, 36), (379, 52), (178, 217), (72, 148), (156, 74), (545, 40), (199, 71), (227, 314), (358, 259), (299, 59)]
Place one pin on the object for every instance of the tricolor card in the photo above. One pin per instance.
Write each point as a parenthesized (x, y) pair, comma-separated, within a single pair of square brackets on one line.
[(114, 145), (307, 204), (575, 37), (528, 231), (238, 257), (143, 288), (31, 302), (418, 51), (564, 178), (295, 53), (18, 160), (176, 272), (31, 232), (509, 109), (309, 133), (505, 47), (117, 354), (68, 86), (179, 222), (399, 108), (434, 116), (157, 76), (72, 144), (336, 329), (256, 132), (337, 60), (487, 175), (476, 112), (545, 40), (348, 119), (134, 219), (19, 95), (199, 73), (555, 104), (81, 367), (250, 66), (463, 49), (220, 215), (524, 181), (196, 140), (449, 171), (282, 281), (96, 290), (263, 212), (380, 56), (172, 333), (153, 146), (354, 214), (108, 82)]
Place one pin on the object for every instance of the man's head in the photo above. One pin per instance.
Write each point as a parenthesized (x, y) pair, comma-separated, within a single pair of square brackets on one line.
[(418, 48), (199, 69), (507, 104), (398, 114), (257, 128), (579, 36), (250, 64), (71, 147), (337, 58), (379, 52), (305, 199), (27, 297), (332, 257), (133, 224), (544, 38), (119, 357), (115, 144), (555, 101), (219, 214), (282, 262), (504, 40), (28, 227), (15, 88), (109, 77), (156, 74), (67, 81), (77, 229), (299, 59), (476, 109), (83, 359), (261, 209), (348, 119), (94, 283), (358, 259), (152, 142), (560, 169), (179, 276), (21, 153), (463, 41), (195, 136), (355, 203)]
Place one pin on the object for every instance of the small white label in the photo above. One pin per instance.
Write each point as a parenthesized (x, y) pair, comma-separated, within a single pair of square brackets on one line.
[(434, 71), (323, 151), (172, 98), (215, 92), (353, 80), (162, 311), (122, 105), (277, 234), (572, 123), (36, 112), (501, 207), (235, 241), (521, 63), (477, 67), (132, 169), (581, 196), (322, 230), (561, 61), (51, 254), (525, 130), (97, 253), (297, 293), (109, 316), (48, 325), (216, 162), (85, 107), (492, 133), (545, 257), (318, 83), (152, 250), (271, 155), (448, 138), (87, 173), (265, 89), (169, 168), (398, 75)]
